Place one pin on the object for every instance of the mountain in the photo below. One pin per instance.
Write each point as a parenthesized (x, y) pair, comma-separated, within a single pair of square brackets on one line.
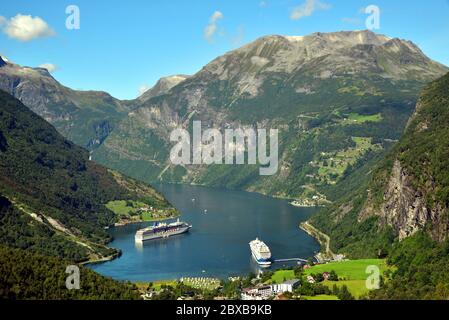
[(402, 212), (53, 199), (408, 194), (163, 86), (84, 117), (339, 100)]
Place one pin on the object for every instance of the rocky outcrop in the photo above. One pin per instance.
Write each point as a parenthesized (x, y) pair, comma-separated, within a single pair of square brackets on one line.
[(102, 130), (414, 192), (406, 209)]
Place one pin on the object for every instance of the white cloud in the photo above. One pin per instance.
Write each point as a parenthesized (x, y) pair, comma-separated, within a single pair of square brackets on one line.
[(262, 4), (211, 28), (259, 61), (49, 66), (307, 9), (25, 27), (143, 88)]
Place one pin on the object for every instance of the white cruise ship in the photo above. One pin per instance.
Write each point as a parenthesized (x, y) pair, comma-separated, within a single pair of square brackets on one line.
[(261, 253), (162, 230)]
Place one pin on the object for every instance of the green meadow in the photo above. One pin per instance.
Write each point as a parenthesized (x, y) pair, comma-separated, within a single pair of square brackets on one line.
[(282, 275), (351, 269), (351, 273)]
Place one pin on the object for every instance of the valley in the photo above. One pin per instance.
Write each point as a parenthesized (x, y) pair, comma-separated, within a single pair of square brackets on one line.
[(362, 126), (331, 96)]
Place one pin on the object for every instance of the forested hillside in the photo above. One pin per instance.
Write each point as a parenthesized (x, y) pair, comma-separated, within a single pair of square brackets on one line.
[(409, 189), (52, 197), (28, 275)]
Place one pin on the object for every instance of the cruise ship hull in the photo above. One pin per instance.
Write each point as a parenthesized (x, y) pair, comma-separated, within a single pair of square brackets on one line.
[(161, 235), (261, 262)]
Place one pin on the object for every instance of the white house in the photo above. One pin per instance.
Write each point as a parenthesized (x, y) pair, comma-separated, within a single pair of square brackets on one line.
[(258, 293), (287, 286)]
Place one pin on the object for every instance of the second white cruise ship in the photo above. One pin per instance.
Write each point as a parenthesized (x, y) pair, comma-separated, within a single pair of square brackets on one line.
[(162, 230), (261, 253)]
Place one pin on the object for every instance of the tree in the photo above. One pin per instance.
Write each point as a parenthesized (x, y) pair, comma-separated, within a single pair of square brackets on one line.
[(333, 276), (318, 277), (344, 294)]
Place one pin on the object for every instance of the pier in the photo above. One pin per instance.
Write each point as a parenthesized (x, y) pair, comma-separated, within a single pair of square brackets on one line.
[(291, 259)]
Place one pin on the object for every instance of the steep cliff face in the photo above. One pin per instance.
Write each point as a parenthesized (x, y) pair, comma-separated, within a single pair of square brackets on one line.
[(405, 208), (409, 190)]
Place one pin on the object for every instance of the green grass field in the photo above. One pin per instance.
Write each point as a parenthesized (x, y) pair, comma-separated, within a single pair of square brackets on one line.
[(356, 287), (156, 284), (349, 270), (147, 216), (337, 164), (121, 208), (282, 275), (351, 273), (358, 118)]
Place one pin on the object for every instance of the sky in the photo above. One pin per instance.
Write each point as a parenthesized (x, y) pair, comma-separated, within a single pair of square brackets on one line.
[(123, 47)]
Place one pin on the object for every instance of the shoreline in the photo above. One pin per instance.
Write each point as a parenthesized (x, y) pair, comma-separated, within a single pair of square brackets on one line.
[(123, 223), (102, 259), (297, 205), (289, 199), (305, 226), (322, 238)]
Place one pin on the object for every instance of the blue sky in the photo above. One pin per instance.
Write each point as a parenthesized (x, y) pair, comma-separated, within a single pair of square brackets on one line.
[(124, 45)]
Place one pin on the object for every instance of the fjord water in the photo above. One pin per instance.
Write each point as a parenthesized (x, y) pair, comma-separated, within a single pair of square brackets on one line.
[(224, 222)]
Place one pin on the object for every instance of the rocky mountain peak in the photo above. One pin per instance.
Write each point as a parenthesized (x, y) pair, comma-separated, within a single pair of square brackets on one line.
[(163, 85), (330, 54)]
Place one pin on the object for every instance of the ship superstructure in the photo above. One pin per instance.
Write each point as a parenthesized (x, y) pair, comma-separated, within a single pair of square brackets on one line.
[(261, 253), (162, 230)]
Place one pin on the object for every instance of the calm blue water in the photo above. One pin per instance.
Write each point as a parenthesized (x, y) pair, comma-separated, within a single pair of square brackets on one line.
[(217, 245)]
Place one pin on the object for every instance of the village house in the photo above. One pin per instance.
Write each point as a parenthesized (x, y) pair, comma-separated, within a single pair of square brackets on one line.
[(310, 279), (287, 286), (267, 291), (258, 293)]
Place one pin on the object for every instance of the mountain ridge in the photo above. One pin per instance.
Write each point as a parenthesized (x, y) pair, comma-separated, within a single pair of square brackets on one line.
[(85, 117), (308, 87)]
